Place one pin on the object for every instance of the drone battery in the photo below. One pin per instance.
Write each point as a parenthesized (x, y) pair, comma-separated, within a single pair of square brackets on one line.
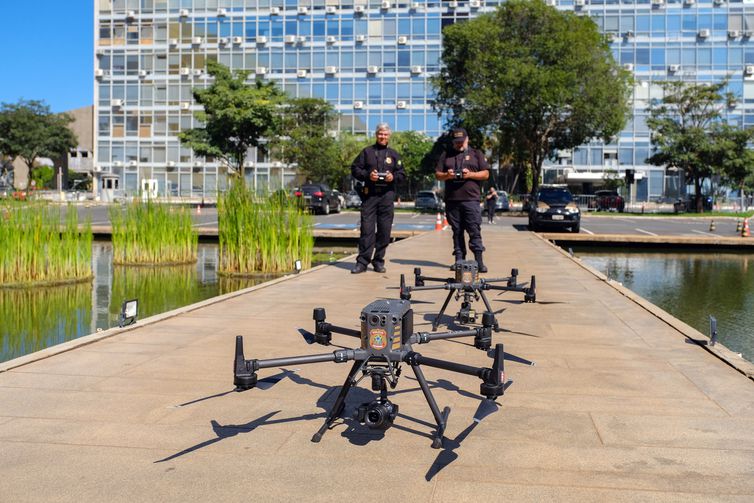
[(467, 272), (384, 323)]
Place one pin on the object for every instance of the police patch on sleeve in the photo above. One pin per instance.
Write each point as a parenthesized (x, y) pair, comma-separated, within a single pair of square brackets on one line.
[(389, 160)]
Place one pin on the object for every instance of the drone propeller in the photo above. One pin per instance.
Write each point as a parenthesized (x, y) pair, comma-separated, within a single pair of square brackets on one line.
[(308, 336), (511, 358), (486, 407)]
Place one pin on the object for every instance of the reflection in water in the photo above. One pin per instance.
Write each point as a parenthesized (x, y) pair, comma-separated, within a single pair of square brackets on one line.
[(691, 287), (35, 318)]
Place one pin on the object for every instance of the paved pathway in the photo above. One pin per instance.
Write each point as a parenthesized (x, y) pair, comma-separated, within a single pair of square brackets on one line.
[(621, 405)]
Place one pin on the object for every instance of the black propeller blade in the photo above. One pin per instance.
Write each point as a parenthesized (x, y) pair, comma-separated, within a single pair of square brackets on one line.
[(308, 336)]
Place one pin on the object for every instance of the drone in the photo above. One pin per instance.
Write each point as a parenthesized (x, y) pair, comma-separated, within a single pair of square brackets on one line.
[(467, 283), (387, 339)]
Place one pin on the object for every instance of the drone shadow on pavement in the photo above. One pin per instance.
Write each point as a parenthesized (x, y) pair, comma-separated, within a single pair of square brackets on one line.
[(419, 263), (354, 432)]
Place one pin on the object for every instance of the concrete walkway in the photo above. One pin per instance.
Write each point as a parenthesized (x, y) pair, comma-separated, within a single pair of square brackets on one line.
[(621, 405)]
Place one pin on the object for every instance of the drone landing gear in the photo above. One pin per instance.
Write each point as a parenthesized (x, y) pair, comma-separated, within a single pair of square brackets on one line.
[(340, 403), (440, 418)]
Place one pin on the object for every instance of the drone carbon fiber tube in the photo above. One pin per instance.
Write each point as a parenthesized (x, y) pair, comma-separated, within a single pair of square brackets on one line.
[(425, 337), (443, 280), (413, 358), (346, 331), (339, 356)]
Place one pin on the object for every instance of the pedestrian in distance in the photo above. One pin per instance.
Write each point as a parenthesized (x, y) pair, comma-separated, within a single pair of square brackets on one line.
[(463, 170), (490, 199), (380, 169)]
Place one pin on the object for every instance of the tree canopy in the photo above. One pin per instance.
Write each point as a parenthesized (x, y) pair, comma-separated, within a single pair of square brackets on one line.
[(537, 79), (29, 130), (236, 116), (688, 132), (412, 147)]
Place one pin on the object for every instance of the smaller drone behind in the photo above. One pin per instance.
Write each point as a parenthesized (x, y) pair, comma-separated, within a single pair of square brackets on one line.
[(468, 284), (387, 338)]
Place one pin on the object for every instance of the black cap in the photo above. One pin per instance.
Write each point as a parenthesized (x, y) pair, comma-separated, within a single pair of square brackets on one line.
[(458, 134)]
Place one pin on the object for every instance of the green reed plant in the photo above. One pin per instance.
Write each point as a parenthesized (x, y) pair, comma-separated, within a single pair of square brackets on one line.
[(151, 233), (36, 249), (262, 234)]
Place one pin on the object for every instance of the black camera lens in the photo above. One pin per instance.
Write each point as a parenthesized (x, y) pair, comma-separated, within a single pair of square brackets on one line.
[(374, 417), (375, 320)]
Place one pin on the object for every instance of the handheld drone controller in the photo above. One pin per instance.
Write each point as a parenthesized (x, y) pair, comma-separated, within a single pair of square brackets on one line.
[(387, 340), (382, 177), (458, 174)]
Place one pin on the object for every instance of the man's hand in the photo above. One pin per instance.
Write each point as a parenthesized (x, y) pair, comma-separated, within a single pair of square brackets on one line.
[(389, 176), (373, 176)]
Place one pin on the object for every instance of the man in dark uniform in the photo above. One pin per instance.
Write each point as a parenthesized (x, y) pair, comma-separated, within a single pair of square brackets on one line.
[(463, 170), (380, 168)]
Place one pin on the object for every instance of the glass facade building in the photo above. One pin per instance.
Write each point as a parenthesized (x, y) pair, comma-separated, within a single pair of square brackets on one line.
[(372, 60)]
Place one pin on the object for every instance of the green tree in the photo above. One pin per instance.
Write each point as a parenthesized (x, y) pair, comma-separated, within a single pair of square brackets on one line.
[(737, 159), (29, 130), (536, 78), (686, 130), (347, 147), (412, 147), (42, 176), (236, 117), (307, 141)]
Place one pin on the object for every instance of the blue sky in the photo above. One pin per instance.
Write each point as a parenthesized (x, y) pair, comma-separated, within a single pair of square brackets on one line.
[(47, 52)]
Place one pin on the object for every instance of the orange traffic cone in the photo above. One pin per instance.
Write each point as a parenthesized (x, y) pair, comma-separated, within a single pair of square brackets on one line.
[(444, 221), (198, 209), (438, 223), (745, 232)]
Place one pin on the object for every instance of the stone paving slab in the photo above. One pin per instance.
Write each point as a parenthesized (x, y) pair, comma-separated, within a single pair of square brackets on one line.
[(621, 406)]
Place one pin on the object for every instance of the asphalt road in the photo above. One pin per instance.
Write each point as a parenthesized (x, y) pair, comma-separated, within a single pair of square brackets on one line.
[(624, 224)]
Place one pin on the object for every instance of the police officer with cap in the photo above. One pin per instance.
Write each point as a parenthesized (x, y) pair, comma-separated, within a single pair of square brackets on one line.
[(380, 168), (463, 170)]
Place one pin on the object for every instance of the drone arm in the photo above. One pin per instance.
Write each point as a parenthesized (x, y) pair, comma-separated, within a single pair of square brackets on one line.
[(442, 280), (433, 287), (345, 331), (425, 337)]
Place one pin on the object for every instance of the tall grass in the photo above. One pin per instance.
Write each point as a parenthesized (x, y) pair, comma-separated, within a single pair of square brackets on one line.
[(36, 249), (262, 234), (150, 233)]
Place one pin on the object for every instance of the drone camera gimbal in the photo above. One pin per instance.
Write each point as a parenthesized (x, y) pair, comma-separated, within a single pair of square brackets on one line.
[(470, 287), (386, 342)]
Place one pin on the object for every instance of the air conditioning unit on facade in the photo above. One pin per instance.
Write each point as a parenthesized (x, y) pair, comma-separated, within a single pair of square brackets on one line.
[(385, 5), (358, 105), (746, 34), (452, 5), (173, 41), (416, 69), (197, 71), (183, 12), (415, 6), (674, 68), (579, 3), (132, 164), (360, 39), (185, 105), (330, 39), (303, 11), (224, 41), (97, 169), (131, 14), (289, 39), (116, 103), (475, 4), (330, 70), (719, 2), (261, 40), (628, 34), (99, 72), (117, 163), (734, 34), (249, 164), (373, 69), (331, 10), (171, 164), (689, 2), (402, 40), (184, 71), (704, 33), (301, 74), (196, 40), (358, 9), (222, 12), (629, 67), (142, 73), (300, 39), (198, 163), (401, 104), (749, 70), (260, 70), (237, 40), (658, 3), (274, 11)]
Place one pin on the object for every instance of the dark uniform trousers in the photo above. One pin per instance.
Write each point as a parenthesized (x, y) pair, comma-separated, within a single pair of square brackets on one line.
[(376, 209), (465, 216)]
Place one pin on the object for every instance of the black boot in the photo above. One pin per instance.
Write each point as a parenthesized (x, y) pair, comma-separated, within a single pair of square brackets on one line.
[(479, 262)]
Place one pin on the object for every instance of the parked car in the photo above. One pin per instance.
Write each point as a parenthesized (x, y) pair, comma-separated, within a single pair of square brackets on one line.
[(608, 200), (428, 200), (502, 203), (318, 198), (554, 207), (353, 200)]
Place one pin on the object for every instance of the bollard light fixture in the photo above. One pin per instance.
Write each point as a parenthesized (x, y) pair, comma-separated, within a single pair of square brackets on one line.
[(128, 312), (297, 266)]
